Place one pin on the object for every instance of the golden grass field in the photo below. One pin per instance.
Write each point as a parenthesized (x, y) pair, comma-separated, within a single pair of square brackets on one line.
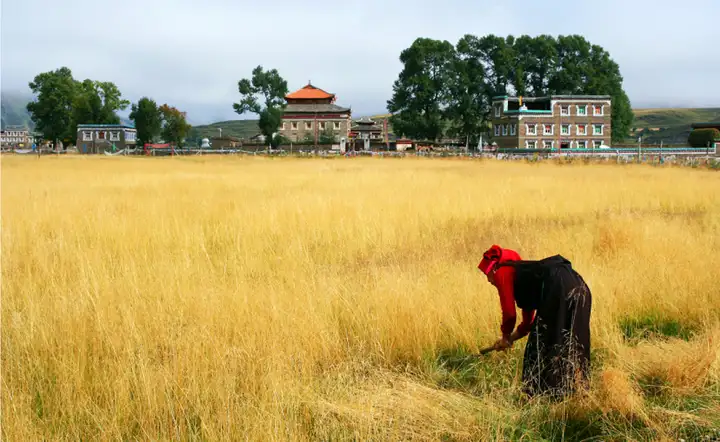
[(305, 299)]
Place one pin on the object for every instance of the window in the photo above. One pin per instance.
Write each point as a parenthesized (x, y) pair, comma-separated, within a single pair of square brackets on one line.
[(597, 129), (597, 144), (548, 129), (531, 144), (87, 135), (564, 110), (497, 130), (582, 144), (308, 125), (336, 125), (513, 129), (582, 109), (130, 136), (565, 129), (581, 129), (548, 144), (114, 136), (504, 130), (321, 125), (294, 125), (101, 135), (283, 126), (498, 110), (532, 129), (598, 109)]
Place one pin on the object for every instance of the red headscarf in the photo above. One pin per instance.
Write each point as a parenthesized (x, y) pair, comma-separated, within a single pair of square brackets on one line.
[(490, 258)]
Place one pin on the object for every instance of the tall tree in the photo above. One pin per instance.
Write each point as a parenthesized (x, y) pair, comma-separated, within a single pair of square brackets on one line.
[(148, 120), (174, 126), (439, 83), (52, 112), (63, 103), (468, 105), (497, 55), (269, 88), (537, 59), (421, 92), (587, 69), (97, 102)]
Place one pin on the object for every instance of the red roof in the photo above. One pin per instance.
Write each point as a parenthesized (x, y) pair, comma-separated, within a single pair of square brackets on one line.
[(310, 92)]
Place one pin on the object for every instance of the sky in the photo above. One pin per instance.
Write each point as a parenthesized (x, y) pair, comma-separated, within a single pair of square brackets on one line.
[(191, 54)]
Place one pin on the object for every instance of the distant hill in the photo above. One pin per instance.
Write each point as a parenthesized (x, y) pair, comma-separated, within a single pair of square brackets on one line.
[(13, 111), (234, 128), (670, 125)]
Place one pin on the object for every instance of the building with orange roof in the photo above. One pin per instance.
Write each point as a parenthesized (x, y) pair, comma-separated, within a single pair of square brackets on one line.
[(311, 112)]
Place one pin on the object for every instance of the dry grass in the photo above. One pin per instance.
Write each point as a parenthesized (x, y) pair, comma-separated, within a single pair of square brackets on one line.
[(280, 299)]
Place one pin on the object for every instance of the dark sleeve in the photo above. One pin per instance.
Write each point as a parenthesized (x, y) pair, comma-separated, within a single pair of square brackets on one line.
[(504, 282)]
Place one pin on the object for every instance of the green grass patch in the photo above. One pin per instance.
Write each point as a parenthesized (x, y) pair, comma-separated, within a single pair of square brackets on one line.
[(458, 368), (656, 326)]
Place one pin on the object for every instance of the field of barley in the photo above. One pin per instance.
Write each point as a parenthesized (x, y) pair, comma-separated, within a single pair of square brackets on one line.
[(306, 299)]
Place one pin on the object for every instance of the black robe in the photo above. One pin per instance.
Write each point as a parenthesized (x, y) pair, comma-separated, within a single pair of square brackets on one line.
[(557, 354)]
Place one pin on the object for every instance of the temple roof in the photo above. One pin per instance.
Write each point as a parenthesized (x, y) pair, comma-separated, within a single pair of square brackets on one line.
[(365, 120), (310, 92), (311, 108)]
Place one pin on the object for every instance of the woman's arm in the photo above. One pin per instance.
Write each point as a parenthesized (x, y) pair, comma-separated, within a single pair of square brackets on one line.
[(504, 283), (524, 328)]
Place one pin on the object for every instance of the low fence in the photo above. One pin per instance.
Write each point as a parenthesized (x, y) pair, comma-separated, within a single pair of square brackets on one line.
[(675, 155)]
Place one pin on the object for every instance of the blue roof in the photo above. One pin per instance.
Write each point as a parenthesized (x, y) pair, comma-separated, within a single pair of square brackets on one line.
[(103, 126)]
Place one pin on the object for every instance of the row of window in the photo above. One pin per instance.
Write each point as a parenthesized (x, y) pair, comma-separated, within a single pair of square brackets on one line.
[(112, 135), (550, 144), (549, 129), (13, 139), (598, 110), (309, 125), (16, 133)]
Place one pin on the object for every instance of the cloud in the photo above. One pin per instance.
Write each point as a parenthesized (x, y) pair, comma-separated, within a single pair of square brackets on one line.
[(192, 54)]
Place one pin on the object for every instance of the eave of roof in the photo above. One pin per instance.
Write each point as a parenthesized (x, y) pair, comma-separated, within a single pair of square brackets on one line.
[(101, 126), (314, 108), (309, 92)]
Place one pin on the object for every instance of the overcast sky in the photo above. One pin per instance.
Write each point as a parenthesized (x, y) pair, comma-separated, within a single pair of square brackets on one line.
[(191, 53)]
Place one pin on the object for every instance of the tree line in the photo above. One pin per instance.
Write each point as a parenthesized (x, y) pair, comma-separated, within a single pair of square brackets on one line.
[(63, 102), (446, 90), (442, 90)]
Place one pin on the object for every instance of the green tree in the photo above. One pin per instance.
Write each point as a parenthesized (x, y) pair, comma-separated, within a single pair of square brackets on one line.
[(269, 88), (421, 93), (536, 59), (468, 105), (97, 102), (308, 138), (584, 68), (497, 56), (174, 127), (148, 120), (52, 111), (703, 137), (63, 102), (327, 136)]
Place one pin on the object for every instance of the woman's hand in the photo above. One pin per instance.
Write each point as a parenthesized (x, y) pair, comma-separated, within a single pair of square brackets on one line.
[(503, 343)]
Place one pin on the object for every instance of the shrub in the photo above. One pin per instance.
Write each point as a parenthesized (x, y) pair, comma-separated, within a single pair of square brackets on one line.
[(703, 137)]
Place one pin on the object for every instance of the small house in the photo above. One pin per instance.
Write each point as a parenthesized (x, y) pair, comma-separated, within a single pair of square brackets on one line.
[(98, 138)]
